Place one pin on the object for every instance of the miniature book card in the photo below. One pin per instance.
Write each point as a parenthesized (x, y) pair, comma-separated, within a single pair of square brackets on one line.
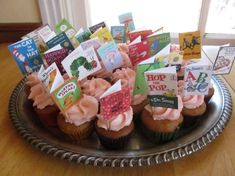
[(128, 22), (65, 26), (162, 87), (46, 33), (26, 55), (224, 60), (94, 28), (67, 94), (115, 101), (51, 77), (103, 34), (94, 42), (110, 56), (81, 63), (118, 33), (82, 35), (197, 78), (142, 33), (190, 43)]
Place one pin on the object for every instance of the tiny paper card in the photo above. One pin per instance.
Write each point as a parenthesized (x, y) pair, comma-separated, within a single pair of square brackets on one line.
[(81, 63), (94, 42), (61, 39), (118, 33), (138, 52), (157, 42), (142, 33), (110, 56), (115, 101), (26, 55), (82, 35), (162, 87), (51, 77), (127, 20), (103, 34), (65, 26), (224, 60), (46, 33), (67, 94), (190, 43), (94, 28), (197, 78), (57, 56)]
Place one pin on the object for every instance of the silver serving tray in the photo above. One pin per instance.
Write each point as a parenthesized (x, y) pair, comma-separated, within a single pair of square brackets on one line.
[(139, 151)]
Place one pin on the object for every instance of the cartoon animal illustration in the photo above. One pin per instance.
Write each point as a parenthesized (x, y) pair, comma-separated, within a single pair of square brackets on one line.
[(82, 62), (192, 44)]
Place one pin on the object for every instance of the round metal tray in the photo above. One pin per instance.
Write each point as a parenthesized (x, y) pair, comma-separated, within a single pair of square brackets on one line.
[(139, 151)]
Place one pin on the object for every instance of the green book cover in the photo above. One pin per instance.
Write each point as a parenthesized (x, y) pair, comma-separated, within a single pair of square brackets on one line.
[(65, 26)]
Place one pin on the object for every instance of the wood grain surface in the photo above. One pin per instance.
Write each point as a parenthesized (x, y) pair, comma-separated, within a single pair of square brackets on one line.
[(17, 157)]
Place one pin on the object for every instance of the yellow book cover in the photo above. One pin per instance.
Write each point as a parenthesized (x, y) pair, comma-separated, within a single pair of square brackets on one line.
[(103, 34), (190, 43)]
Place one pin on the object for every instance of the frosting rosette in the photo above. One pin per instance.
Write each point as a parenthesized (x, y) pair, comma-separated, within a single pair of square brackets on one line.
[(161, 113), (40, 96), (192, 101), (117, 123), (32, 79), (83, 111), (95, 87)]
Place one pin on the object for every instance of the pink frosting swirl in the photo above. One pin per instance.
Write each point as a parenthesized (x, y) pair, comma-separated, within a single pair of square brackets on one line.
[(40, 96), (160, 113), (137, 99), (95, 87), (83, 111), (127, 77), (32, 79), (123, 47), (117, 123), (193, 101)]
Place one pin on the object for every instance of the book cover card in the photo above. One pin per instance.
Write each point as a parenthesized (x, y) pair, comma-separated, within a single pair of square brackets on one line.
[(94, 28), (128, 22), (94, 42), (82, 35), (118, 33), (142, 33), (81, 63), (65, 26), (103, 34), (190, 43), (51, 77), (61, 39), (197, 78), (138, 52), (67, 94), (57, 56), (158, 42), (110, 56), (46, 33), (26, 55), (224, 60), (162, 87), (115, 101)]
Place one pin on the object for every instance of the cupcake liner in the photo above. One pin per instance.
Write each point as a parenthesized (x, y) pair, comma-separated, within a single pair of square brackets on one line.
[(75, 133), (48, 115), (114, 144), (160, 137)]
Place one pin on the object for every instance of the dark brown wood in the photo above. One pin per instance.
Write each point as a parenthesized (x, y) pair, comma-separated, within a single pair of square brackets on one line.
[(12, 32)]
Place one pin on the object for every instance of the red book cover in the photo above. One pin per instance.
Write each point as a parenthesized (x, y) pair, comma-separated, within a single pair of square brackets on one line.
[(139, 52), (57, 57), (143, 34)]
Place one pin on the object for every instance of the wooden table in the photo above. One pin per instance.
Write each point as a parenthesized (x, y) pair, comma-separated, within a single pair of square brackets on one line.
[(17, 157)]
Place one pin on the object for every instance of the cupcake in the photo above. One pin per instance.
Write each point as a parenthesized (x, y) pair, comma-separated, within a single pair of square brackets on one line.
[(115, 133), (124, 50), (180, 73), (78, 121), (43, 105), (193, 106), (95, 87), (31, 80), (211, 92), (127, 77), (161, 124)]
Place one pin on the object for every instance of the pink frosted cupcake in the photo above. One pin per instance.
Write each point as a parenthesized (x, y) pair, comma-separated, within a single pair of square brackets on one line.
[(161, 124), (45, 108), (115, 133), (95, 87), (124, 51), (78, 121)]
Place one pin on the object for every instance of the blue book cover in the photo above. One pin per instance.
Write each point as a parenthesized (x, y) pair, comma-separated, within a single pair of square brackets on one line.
[(61, 39), (118, 33), (128, 21), (110, 56), (26, 55)]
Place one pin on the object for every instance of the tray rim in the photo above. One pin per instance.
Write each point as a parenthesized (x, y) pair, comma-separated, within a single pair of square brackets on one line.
[(129, 161)]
